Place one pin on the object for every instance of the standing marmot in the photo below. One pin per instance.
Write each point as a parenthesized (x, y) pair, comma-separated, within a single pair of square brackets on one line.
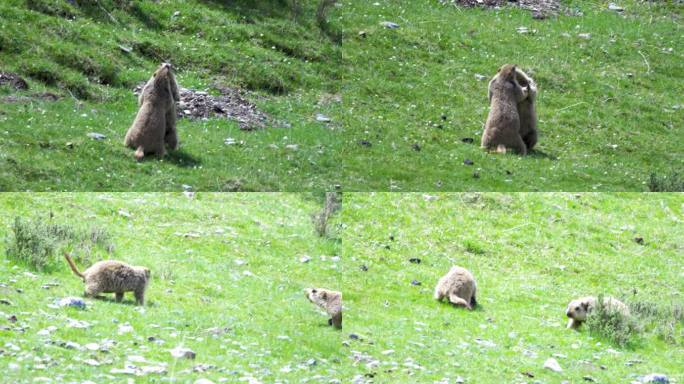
[(111, 276), (502, 129), (527, 110), (330, 301), (458, 286), (578, 309), (155, 123)]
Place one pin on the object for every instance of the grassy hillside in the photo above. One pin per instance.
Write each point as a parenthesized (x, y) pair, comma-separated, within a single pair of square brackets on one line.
[(606, 105), (77, 49), (530, 254), (227, 282), (401, 100)]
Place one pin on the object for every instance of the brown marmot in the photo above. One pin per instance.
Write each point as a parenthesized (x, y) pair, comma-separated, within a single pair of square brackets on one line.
[(330, 301), (458, 286), (155, 123), (578, 309), (527, 110), (111, 276), (502, 129)]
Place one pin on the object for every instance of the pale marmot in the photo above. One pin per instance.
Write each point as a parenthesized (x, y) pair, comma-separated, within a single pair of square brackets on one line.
[(155, 123), (111, 276), (502, 129), (578, 309), (458, 286), (330, 301)]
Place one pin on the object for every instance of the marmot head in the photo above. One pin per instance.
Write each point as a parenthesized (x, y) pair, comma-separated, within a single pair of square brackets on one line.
[(507, 72), (316, 296), (577, 309)]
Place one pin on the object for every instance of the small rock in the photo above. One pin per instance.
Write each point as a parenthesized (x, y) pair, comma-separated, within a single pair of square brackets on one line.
[(363, 267), (12, 319), (363, 34), (480, 77), (468, 162), (311, 362), (323, 118), (522, 30), (615, 7), (589, 379), (416, 147), (389, 25), (304, 259), (75, 302), (292, 147), (415, 282), (415, 260), (585, 36), (203, 381), (5, 301), (467, 140), (365, 143), (353, 336), (185, 353), (655, 378), (96, 136), (639, 240), (125, 328), (92, 346), (553, 365)]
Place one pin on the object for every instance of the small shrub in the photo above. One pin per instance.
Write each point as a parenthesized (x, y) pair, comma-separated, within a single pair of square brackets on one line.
[(473, 247), (609, 323), (39, 244), (669, 183), (665, 320)]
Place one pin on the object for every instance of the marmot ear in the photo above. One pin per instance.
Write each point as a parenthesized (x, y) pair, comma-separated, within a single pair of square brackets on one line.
[(585, 305), (325, 296)]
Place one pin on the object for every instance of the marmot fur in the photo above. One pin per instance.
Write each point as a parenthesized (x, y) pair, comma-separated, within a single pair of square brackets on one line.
[(458, 286), (527, 110), (502, 129), (330, 301), (111, 276), (578, 309)]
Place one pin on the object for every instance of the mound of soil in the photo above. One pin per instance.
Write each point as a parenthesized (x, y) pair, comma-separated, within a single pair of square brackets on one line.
[(13, 80), (230, 104), (539, 8)]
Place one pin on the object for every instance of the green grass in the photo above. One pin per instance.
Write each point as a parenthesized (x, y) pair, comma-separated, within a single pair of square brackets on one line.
[(287, 64), (588, 99), (240, 269), (530, 254), (606, 105), (198, 283)]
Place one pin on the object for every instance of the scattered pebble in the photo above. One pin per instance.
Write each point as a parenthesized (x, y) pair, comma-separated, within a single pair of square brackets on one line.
[(585, 36), (323, 118), (415, 282), (553, 365), (615, 7), (185, 353), (655, 378), (480, 77), (389, 25), (468, 162), (415, 260), (75, 302), (96, 136)]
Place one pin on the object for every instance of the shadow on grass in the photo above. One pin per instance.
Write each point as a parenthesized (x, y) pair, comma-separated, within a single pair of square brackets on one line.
[(182, 159), (537, 154)]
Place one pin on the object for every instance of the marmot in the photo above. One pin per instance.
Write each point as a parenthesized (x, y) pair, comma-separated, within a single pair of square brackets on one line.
[(155, 123), (578, 309), (330, 301), (527, 110), (111, 276), (458, 286), (502, 129)]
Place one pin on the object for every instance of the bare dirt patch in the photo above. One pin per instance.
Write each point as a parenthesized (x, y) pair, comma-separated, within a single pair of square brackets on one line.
[(231, 104), (540, 8)]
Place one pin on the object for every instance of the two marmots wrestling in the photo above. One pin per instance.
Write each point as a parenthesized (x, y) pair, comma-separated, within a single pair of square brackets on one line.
[(512, 120)]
